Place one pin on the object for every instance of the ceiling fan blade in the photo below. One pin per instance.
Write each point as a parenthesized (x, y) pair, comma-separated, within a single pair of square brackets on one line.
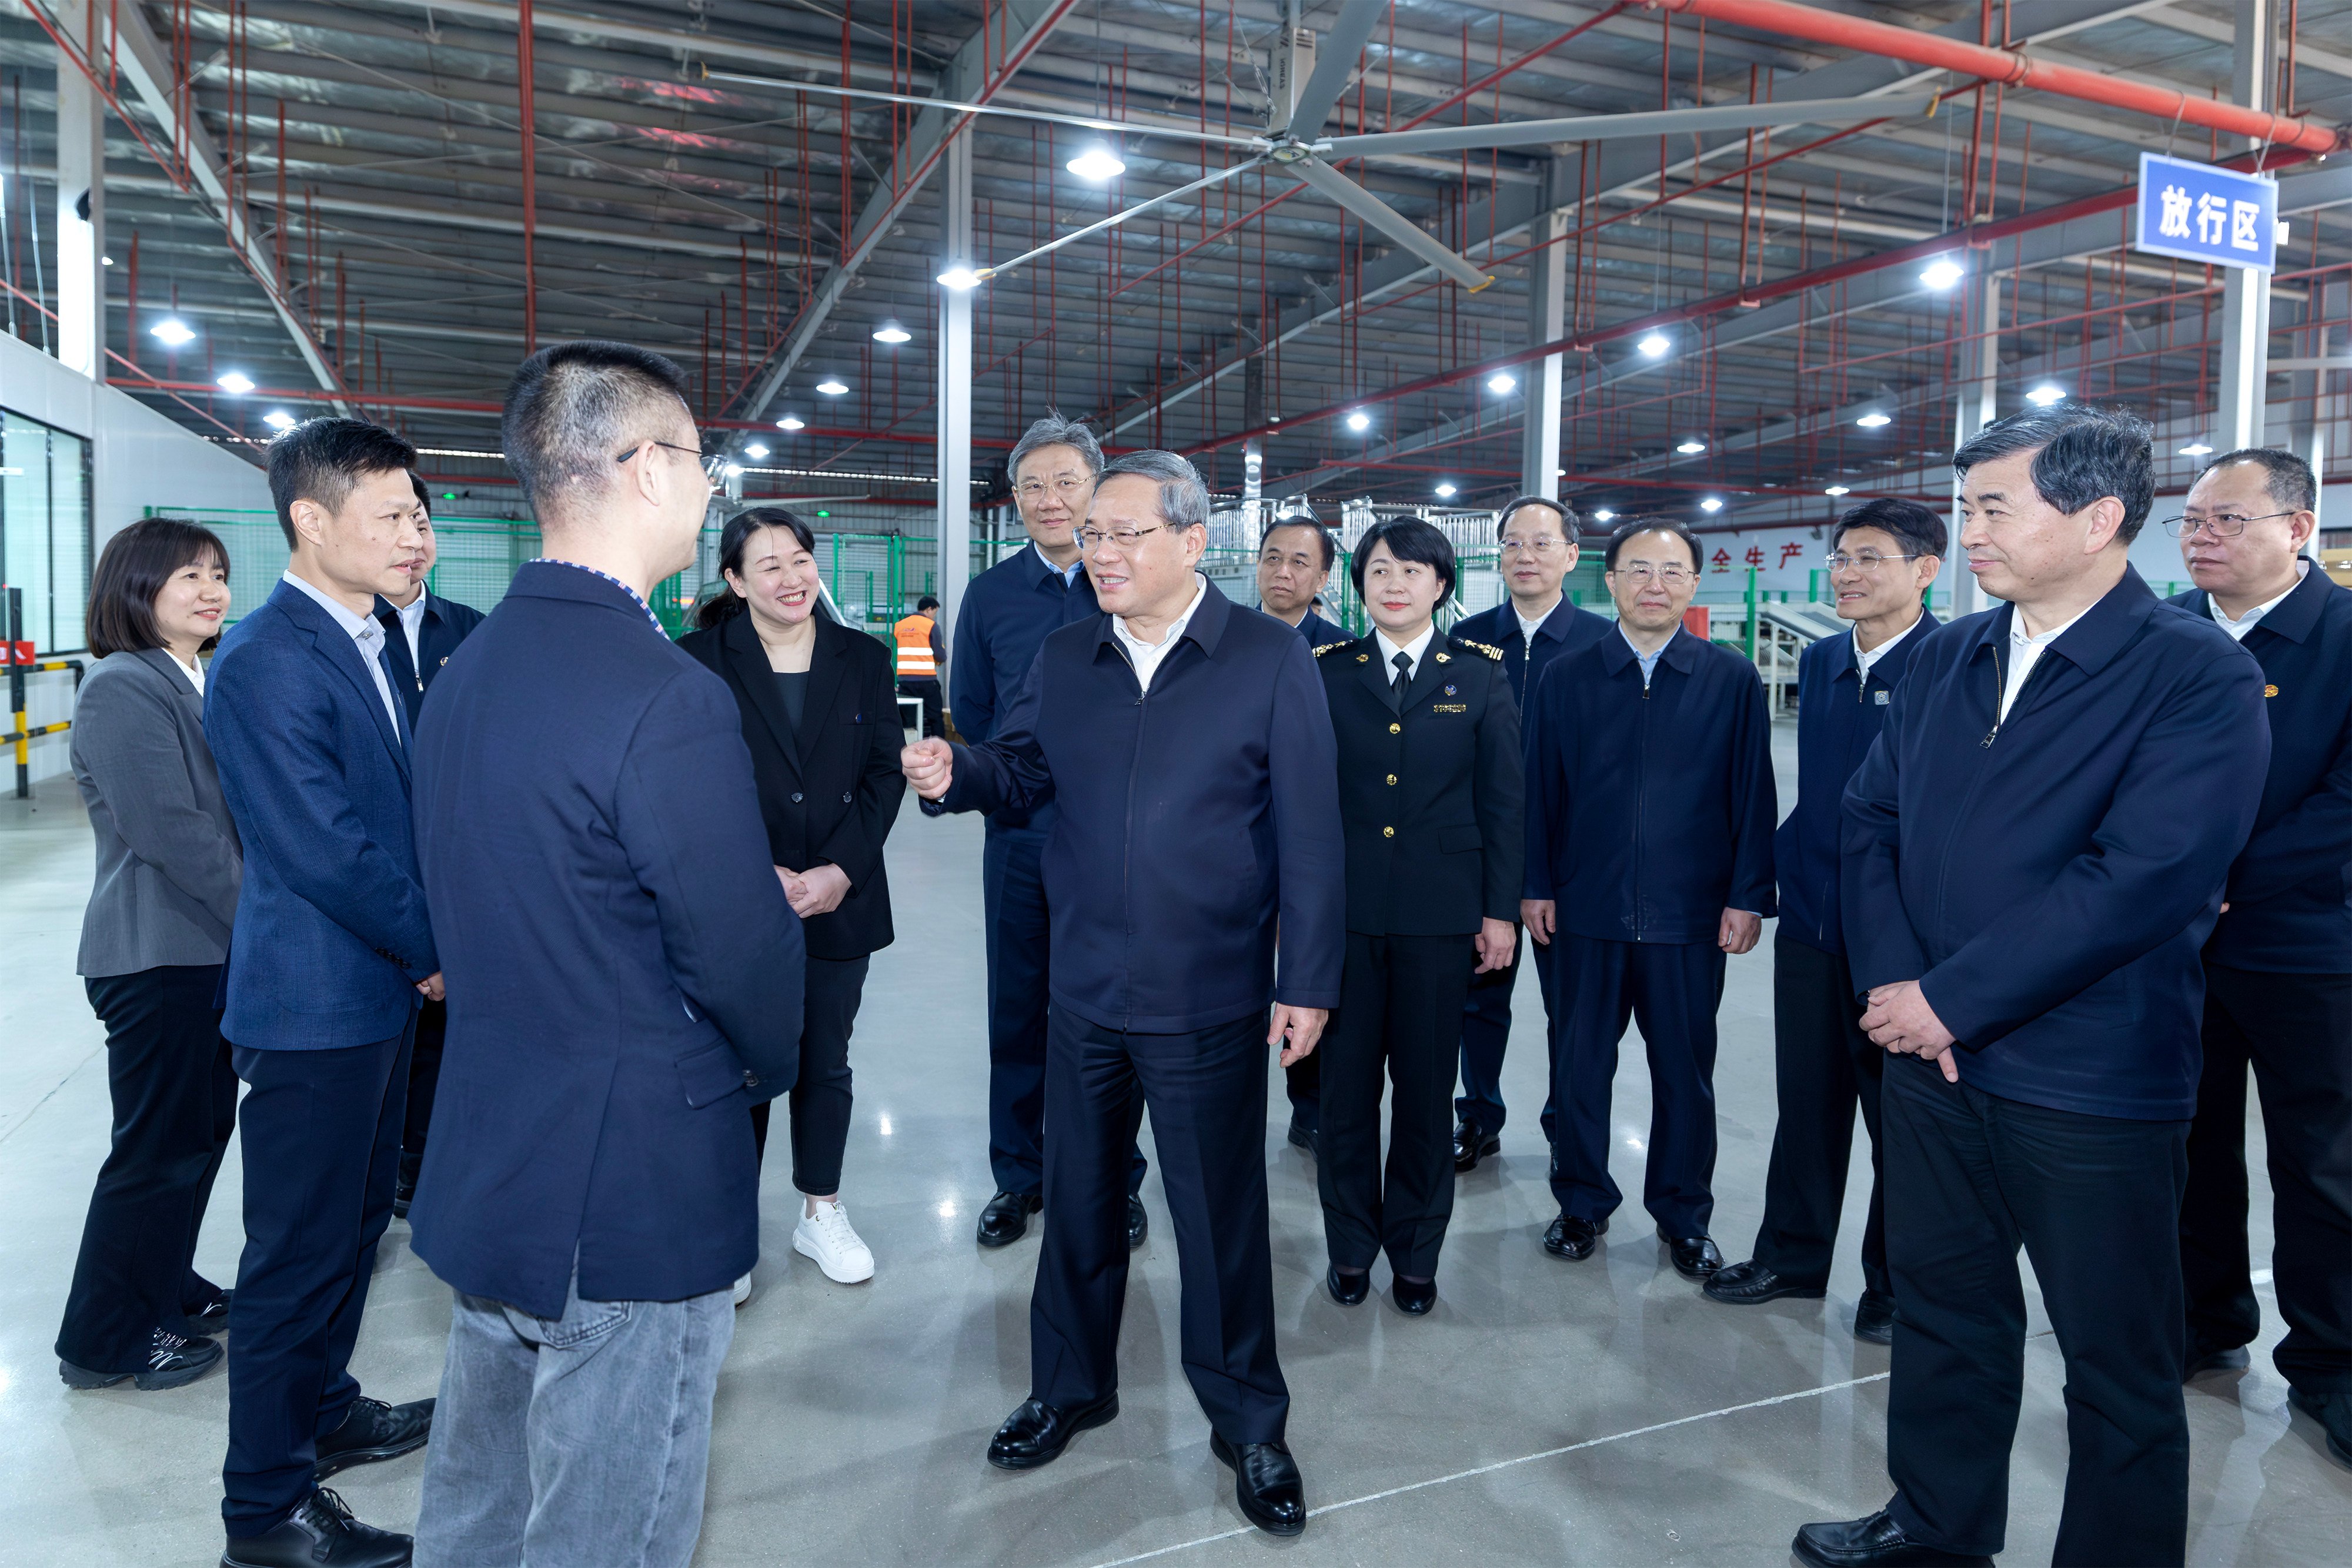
[(1320, 176), (1115, 219), (1604, 127), (1335, 54), (1129, 128)]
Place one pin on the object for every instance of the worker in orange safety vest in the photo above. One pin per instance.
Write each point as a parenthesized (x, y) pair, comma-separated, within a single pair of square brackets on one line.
[(922, 651)]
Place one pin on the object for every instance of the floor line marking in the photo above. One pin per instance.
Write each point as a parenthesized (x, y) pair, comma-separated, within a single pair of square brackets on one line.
[(1507, 1464)]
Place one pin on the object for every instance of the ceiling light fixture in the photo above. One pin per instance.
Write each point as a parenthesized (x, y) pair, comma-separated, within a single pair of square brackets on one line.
[(755, 451), (1360, 420), (1098, 164), (235, 382), (2045, 394), (1499, 384), (1712, 504), (278, 418), (1444, 492), (891, 332), (1655, 345), (791, 422), (831, 388), (1835, 490), (1692, 447), (958, 278), (1604, 515), (1875, 420), (2195, 449), (173, 330), (1942, 273)]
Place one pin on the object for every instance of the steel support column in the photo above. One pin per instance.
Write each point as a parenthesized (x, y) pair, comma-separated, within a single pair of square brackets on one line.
[(1546, 323), (81, 200), (1978, 406), (2243, 405), (954, 365)]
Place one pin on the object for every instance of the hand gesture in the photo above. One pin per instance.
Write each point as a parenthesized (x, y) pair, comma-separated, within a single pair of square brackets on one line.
[(1295, 1030), (929, 766), (1540, 916), (1899, 1019), (1494, 942)]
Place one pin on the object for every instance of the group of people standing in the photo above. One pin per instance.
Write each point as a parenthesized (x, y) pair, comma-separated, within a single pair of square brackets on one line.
[(1212, 834)]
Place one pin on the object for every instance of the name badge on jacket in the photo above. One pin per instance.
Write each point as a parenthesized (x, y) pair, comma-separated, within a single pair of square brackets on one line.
[(1879, 697)]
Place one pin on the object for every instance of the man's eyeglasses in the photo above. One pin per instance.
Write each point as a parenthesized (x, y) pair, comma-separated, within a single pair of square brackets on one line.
[(1865, 560), (1542, 544), (1643, 572), (1065, 486), (709, 464), (2221, 524), (1124, 538)]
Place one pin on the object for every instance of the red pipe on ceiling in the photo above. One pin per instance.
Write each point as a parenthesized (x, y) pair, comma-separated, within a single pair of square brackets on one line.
[(2012, 68)]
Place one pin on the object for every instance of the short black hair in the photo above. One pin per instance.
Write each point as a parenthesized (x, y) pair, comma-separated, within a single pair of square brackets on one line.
[(133, 570), (1652, 525), (726, 603), (2289, 478), (2082, 452), (1569, 523), (423, 499), (926, 603), (1408, 538), (321, 460), (572, 407), (1917, 530), (1322, 535)]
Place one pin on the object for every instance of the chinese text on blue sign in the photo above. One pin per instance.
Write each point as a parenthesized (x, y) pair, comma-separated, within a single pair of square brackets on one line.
[(2200, 213)]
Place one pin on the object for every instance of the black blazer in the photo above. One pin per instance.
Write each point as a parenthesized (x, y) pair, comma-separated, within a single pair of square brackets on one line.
[(829, 793), (1430, 789)]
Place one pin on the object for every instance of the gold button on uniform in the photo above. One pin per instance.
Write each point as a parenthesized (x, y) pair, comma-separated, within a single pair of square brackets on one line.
[(1396, 729), (1391, 778), (1388, 832)]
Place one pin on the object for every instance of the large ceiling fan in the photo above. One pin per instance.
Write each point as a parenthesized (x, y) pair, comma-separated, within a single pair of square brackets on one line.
[(1310, 78)]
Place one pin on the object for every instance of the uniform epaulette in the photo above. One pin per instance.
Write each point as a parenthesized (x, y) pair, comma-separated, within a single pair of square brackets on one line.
[(1486, 648), (1328, 646)]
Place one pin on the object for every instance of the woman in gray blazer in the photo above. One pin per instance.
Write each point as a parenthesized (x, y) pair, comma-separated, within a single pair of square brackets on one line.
[(153, 938)]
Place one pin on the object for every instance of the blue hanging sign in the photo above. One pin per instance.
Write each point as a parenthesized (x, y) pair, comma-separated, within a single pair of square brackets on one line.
[(2199, 212)]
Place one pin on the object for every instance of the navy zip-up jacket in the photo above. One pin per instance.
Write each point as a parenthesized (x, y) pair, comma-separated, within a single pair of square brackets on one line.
[(2048, 879), (1650, 811), (1565, 627), (1838, 716), (2290, 893), (1195, 817), (1006, 612)]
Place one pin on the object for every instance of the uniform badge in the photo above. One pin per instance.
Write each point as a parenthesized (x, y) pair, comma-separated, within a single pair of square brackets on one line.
[(1880, 697), (1444, 658), (1449, 691), (2269, 691)]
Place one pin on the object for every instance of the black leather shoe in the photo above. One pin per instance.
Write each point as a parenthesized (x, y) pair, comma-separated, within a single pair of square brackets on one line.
[(1873, 1543), (1473, 1142), (2234, 1359), (1302, 1137), (1348, 1289), (172, 1359), (1874, 1318), (1265, 1484), (2334, 1414), (211, 1317), (1036, 1433), (1573, 1239), (1414, 1300), (1696, 1256), (1138, 1223), (1751, 1284), (373, 1431), (320, 1533), (1006, 1219)]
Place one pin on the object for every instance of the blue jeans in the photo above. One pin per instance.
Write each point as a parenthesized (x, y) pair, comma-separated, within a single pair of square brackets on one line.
[(581, 1440)]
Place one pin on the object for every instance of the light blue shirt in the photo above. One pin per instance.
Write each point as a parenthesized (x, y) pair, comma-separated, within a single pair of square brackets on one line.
[(364, 631), (1649, 662), (1068, 574)]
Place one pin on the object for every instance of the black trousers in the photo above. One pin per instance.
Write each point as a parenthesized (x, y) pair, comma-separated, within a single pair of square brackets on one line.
[(424, 1078), (1019, 975), (175, 1093), (1206, 1092), (1823, 1065), (934, 702), (1486, 1029), (1400, 1003), (2296, 1032), (321, 1145), (2093, 1199), (821, 1100), (1671, 990)]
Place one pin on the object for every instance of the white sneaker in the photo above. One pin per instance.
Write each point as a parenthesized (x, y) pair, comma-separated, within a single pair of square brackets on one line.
[(826, 1236), (742, 1292)]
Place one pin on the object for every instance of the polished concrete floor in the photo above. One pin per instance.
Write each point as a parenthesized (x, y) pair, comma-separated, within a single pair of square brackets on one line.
[(1601, 1413)]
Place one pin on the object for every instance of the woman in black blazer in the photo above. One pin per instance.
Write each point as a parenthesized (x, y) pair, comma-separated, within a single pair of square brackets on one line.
[(821, 715)]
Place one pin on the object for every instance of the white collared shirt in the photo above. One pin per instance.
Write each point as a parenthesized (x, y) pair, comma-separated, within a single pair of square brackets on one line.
[(363, 630), (1863, 658), (1527, 628), (194, 669), (1068, 574), (412, 621), (2245, 623), (1412, 650), (2025, 652), (1649, 662), (1146, 656)]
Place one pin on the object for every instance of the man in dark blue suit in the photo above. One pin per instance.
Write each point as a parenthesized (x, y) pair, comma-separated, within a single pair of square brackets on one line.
[(2278, 971), (2034, 852), (625, 977), (1534, 625), (1649, 818), (1006, 612), (421, 631), (1884, 554), (330, 951), (1189, 745)]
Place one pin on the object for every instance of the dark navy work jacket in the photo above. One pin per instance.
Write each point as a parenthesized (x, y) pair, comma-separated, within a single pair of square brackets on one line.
[(1007, 611), (1322, 633), (1650, 813), (624, 972), (2048, 880), (2290, 893), (1195, 817), (1567, 627), (445, 625), (1838, 716)]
